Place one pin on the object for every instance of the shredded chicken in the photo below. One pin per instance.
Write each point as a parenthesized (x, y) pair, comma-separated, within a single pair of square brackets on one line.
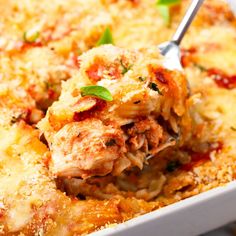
[(90, 136)]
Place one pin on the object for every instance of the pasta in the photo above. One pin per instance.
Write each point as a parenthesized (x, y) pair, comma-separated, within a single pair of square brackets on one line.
[(89, 136), (79, 121)]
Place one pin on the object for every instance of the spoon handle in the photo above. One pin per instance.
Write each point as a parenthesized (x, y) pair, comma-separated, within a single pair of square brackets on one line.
[(186, 21)]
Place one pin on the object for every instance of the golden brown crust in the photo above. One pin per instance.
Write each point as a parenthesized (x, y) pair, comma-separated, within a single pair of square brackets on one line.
[(32, 202)]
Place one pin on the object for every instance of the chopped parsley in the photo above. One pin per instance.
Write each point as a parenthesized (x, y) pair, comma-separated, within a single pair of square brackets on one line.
[(141, 78), (172, 166), (200, 67), (30, 37), (97, 91), (154, 87), (106, 38), (125, 69), (15, 119), (110, 142)]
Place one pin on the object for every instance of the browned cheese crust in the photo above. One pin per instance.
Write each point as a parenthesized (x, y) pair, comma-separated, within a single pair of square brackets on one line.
[(72, 164)]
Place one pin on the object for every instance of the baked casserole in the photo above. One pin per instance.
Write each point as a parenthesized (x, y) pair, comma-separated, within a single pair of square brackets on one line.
[(79, 120)]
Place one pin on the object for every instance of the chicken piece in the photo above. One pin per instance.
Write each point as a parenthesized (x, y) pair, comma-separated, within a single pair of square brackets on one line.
[(89, 146), (132, 110), (31, 204)]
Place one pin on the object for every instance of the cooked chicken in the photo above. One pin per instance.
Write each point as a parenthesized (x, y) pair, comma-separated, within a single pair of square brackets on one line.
[(132, 110)]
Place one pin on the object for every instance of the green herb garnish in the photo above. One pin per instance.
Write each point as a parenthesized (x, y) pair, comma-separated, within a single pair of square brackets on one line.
[(172, 166), (168, 2), (164, 9), (79, 51), (106, 38), (30, 37), (110, 142), (141, 78), (154, 87), (200, 67), (165, 14), (125, 69), (97, 91)]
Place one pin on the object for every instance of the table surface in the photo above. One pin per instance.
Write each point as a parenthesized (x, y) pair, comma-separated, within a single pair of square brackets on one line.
[(228, 230)]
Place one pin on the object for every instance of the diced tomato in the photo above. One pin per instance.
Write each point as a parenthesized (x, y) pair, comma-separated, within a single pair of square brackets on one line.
[(160, 77), (25, 45), (100, 105), (222, 79), (95, 72), (186, 56), (52, 94)]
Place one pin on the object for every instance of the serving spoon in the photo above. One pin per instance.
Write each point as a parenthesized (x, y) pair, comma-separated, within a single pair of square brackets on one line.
[(170, 49)]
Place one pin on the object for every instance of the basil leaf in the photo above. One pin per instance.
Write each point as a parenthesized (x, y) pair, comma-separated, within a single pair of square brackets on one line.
[(106, 38), (30, 38), (168, 2), (165, 13), (97, 91), (164, 9), (154, 87)]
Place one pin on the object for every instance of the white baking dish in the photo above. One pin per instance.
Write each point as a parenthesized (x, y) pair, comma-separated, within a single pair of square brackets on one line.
[(189, 217), (192, 216)]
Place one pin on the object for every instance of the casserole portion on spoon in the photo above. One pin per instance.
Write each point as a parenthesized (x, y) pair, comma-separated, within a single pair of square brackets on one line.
[(121, 107)]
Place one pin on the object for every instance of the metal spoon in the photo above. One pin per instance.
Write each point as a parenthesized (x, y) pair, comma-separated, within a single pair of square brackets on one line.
[(170, 49)]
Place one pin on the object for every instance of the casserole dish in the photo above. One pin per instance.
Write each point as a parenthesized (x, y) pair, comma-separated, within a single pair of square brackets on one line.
[(78, 125)]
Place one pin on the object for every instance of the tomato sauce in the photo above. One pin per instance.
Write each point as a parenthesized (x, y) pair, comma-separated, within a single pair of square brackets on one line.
[(187, 56), (160, 77), (95, 72), (52, 94), (222, 79), (26, 45), (198, 158), (100, 105)]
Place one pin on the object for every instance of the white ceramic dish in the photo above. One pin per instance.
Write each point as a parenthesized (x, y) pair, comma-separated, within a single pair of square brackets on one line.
[(189, 217), (192, 216)]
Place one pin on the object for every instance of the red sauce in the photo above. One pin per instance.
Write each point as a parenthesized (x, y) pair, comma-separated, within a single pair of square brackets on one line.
[(25, 45), (221, 79), (187, 56), (198, 158), (52, 94), (95, 72), (135, 2), (160, 77), (2, 213), (100, 105)]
